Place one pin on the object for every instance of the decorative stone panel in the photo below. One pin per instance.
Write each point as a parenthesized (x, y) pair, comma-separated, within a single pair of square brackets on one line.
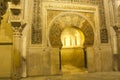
[(104, 36), (36, 30), (70, 20), (100, 4)]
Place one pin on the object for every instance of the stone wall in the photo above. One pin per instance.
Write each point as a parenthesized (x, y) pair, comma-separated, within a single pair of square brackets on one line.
[(5, 60), (99, 59), (106, 58), (43, 61)]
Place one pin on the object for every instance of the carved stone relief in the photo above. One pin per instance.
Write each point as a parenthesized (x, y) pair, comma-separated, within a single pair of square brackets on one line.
[(60, 15), (70, 20), (98, 3), (104, 36), (36, 35)]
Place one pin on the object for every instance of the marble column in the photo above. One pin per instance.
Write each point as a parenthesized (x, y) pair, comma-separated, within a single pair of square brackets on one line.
[(16, 62), (118, 48), (17, 22), (117, 56), (17, 53)]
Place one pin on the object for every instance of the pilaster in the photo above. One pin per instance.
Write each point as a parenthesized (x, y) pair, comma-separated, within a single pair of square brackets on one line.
[(16, 56), (16, 19), (17, 51), (118, 39), (117, 30)]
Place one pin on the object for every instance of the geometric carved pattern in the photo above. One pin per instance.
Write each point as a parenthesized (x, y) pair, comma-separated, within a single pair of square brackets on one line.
[(36, 25), (88, 33), (100, 5), (55, 33), (70, 20), (104, 36), (36, 35)]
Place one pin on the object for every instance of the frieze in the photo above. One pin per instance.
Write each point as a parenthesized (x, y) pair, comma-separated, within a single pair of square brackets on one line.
[(69, 6), (51, 14)]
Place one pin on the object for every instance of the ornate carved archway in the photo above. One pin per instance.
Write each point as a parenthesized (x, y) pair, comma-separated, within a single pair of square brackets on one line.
[(70, 20)]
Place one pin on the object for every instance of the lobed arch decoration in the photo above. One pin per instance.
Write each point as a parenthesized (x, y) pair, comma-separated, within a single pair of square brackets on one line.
[(70, 19), (72, 37)]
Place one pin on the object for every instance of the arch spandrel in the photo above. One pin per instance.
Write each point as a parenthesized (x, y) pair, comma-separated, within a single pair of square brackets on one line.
[(70, 20)]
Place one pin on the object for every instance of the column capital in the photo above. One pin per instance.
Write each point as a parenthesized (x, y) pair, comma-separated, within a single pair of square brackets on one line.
[(17, 30), (117, 30)]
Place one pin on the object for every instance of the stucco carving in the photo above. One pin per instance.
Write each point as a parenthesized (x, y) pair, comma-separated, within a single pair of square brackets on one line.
[(66, 15), (98, 3), (70, 20), (36, 35)]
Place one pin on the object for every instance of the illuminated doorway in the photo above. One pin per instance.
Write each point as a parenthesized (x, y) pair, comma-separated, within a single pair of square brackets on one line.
[(72, 53), (66, 34)]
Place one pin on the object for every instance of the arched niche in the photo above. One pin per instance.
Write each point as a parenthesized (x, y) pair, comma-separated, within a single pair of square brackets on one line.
[(72, 37), (70, 20), (76, 21), (72, 52)]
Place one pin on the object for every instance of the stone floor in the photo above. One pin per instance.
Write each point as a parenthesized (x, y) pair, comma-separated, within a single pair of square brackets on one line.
[(72, 69), (80, 76)]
